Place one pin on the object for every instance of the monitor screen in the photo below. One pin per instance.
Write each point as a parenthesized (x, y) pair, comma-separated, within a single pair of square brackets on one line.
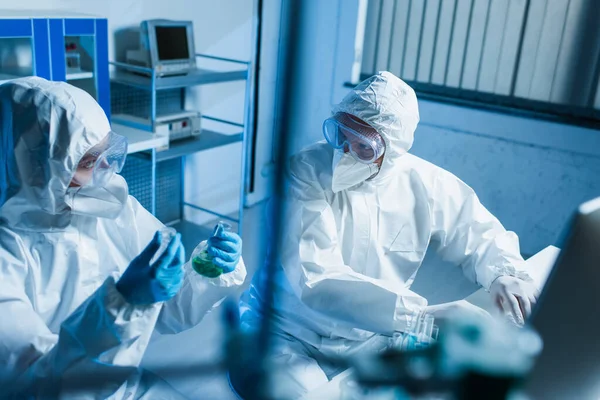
[(172, 43)]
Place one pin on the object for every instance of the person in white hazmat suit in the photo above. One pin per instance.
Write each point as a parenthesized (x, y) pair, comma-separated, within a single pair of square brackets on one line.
[(79, 294), (361, 213)]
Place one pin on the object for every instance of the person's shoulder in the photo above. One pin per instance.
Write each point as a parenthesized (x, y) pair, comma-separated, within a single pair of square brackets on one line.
[(133, 203), (8, 235), (313, 157), (129, 215), (12, 245), (311, 163), (429, 173), (417, 165)]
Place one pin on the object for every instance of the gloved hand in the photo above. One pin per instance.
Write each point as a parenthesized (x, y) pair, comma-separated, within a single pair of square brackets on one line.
[(515, 296), (456, 309), (143, 284), (225, 248)]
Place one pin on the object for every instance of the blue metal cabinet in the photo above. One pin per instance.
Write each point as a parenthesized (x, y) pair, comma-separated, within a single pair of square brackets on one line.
[(36, 33), (48, 40)]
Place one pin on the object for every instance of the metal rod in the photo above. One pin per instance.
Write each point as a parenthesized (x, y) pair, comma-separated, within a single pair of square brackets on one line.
[(153, 152), (153, 101), (224, 121), (182, 160), (513, 84), (153, 182), (248, 119), (206, 210), (231, 60), (256, 68)]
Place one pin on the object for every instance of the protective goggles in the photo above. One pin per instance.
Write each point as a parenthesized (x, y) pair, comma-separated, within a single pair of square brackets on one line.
[(102, 161), (364, 143)]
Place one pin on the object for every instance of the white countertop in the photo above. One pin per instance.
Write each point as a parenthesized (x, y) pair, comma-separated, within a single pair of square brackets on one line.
[(140, 140)]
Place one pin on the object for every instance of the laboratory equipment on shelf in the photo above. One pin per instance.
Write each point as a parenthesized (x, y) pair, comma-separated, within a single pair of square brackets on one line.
[(202, 261), (72, 57), (166, 47), (185, 125), (150, 107)]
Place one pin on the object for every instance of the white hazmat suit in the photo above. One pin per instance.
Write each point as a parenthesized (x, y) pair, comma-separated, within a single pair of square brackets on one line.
[(351, 252), (62, 318)]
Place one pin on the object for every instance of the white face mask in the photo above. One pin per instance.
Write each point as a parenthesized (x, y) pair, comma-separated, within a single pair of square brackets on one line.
[(348, 172), (102, 202)]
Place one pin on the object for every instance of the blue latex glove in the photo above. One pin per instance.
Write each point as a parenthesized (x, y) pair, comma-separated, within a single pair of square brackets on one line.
[(144, 284), (225, 248)]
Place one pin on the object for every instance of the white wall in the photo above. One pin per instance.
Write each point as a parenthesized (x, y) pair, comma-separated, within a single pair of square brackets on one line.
[(222, 28), (531, 174)]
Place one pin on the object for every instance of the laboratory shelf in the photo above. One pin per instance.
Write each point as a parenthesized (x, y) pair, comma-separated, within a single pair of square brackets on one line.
[(205, 141), (141, 140), (147, 103), (194, 78), (29, 14), (73, 75), (14, 73)]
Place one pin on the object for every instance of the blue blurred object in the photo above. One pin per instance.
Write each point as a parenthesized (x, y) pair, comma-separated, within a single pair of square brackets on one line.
[(145, 283)]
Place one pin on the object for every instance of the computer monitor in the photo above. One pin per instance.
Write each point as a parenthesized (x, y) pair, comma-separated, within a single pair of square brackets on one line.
[(166, 46), (567, 316)]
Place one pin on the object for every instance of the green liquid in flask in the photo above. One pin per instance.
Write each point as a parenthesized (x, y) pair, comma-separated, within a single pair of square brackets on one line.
[(203, 265)]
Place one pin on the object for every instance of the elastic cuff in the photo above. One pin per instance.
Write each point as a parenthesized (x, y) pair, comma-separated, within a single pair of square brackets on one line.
[(507, 271), (119, 307)]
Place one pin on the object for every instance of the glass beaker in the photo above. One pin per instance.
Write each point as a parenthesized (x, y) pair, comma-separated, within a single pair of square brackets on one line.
[(421, 333), (167, 235)]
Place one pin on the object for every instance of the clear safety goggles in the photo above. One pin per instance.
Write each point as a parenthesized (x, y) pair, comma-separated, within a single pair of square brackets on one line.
[(364, 143), (102, 161)]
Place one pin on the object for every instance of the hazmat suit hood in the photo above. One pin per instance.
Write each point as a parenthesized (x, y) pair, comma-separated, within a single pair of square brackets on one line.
[(46, 128), (389, 105)]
